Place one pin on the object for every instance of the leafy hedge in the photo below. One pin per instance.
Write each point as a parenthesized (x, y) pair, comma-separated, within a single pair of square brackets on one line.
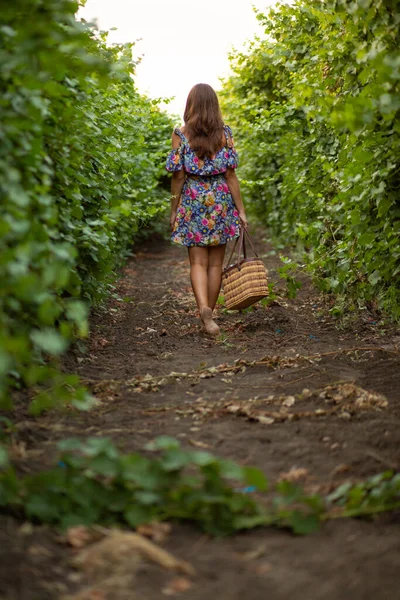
[(316, 105), (80, 165)]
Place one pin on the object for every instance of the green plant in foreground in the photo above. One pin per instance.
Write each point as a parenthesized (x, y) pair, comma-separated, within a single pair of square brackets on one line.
[(94, 484), (376, 494)]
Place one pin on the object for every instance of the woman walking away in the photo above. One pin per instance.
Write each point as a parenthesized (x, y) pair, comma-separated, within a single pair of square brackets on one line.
[(206, 205)]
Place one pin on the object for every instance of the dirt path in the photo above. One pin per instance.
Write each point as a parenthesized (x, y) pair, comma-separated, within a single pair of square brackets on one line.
[(291, 346)]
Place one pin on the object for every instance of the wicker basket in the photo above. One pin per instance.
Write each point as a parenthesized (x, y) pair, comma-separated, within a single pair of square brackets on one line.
[(244, 282)]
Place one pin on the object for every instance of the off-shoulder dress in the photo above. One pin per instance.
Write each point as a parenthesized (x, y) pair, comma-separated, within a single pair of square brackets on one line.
[(207, 215)]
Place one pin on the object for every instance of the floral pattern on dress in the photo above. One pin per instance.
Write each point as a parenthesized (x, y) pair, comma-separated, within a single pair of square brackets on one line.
[(207, 215)]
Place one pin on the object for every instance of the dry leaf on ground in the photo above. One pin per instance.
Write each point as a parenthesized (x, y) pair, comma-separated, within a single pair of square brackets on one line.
[(289, 401), (294, 474), (110, 566), (177, 586), (199, 444), (155, 531), (261, 569), (90, 593), (341, 469), (254, 554), (119, 546), (79, 536)]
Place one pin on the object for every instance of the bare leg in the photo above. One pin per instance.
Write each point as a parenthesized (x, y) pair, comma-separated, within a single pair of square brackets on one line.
[(215, 262), (198, 257)]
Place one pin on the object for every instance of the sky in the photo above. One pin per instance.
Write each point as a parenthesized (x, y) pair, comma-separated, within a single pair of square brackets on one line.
[(182, 42)]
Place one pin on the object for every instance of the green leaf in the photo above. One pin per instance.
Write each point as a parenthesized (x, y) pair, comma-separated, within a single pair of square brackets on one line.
[(42, 507), (49, 340), (384, 204), (42, 402), (83, 400), (175, 459), (340, 493), (249, 522), (72, 520), (70, 444), (147, 497), (254, 476), (96, 446), (77, 311), (137, 514), (103, 465), (5, 362), (374, 277), (9, 31), (4, 460), (134, 467), (366, 238), (290, 492), (201, 458), (163, 442), (303, 524), (231, 470), (9, 489)]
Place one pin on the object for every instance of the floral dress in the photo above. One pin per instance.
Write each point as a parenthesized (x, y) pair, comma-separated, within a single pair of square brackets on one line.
[(206, 214)]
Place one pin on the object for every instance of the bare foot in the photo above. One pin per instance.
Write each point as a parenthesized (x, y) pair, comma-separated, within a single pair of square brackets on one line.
[(209, 324)]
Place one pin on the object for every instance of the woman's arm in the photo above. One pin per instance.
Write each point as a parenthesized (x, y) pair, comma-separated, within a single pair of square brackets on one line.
[(234, 188), (177, 181)]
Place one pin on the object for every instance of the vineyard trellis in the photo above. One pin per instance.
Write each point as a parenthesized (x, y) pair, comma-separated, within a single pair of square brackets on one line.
[(316, 105), (80, 169)]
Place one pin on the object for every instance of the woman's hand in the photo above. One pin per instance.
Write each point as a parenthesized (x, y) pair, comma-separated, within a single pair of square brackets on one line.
[(172, 219), (243, 219)]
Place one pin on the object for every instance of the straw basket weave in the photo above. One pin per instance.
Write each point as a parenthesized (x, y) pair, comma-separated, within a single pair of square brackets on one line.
[(244, 282)]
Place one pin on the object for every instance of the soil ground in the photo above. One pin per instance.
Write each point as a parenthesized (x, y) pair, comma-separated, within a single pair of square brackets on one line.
[(151, 327)]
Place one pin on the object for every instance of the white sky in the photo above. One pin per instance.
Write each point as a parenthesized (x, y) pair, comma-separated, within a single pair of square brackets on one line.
[(182, 42)]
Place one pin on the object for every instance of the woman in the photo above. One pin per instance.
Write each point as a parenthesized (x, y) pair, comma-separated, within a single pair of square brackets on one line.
[(206, 206)]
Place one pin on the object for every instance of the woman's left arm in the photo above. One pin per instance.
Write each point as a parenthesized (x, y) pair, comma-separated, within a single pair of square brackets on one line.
[(177, 181)]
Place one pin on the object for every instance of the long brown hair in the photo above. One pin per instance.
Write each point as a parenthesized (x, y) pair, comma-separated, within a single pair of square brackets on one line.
[(203, 121)]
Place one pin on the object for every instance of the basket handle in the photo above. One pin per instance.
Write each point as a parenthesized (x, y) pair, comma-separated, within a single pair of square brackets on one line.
[(233, 249), (250, 242), (242, 245)]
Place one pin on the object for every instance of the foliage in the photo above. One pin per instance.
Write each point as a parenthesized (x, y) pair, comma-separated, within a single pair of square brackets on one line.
[(94, 483), (316, 105), (80, 165), (380, 492)]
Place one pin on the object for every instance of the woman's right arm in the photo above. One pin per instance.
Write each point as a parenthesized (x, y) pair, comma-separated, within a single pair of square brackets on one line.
[(234, 188)]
